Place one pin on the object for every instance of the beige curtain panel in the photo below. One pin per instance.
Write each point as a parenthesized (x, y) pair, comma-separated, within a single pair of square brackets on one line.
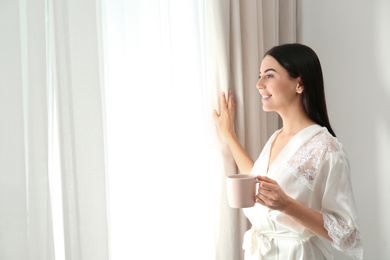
[(237, 36)]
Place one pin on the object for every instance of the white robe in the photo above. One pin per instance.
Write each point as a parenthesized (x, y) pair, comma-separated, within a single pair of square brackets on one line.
[(313, 169)]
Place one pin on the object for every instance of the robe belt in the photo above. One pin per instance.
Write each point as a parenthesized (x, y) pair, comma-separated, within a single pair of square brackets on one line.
[(258, 242)]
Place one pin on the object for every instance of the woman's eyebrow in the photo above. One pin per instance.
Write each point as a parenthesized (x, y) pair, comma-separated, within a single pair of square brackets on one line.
[(268, 70)]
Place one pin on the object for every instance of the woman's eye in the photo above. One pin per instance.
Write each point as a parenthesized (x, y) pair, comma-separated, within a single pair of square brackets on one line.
[(267, 76)]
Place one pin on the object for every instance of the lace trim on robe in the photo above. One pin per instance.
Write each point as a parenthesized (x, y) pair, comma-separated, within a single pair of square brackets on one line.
[(309, 158), (346, 239)]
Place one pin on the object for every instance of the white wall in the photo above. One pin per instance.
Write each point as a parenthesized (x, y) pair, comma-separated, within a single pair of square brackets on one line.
[(352, 39)]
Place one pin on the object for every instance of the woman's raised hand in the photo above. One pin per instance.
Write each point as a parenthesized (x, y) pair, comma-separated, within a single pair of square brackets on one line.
[(225, 120)]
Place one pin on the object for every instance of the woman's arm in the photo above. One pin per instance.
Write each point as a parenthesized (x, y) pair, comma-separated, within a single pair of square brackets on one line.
[(307, 217), (272, 196), (224, 122), (243, 160)]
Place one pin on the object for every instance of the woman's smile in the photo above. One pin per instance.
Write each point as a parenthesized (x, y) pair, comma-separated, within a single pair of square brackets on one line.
[(265, 97)]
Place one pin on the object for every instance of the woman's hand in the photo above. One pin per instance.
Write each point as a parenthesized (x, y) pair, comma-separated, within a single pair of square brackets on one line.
[(271, 195), (224, 123), (225, 120)]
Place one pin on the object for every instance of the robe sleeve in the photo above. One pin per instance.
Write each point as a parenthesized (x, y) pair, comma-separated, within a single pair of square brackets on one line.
[(338, 207)]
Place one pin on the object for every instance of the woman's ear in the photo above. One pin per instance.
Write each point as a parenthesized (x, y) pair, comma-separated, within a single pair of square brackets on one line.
[(300, 87)]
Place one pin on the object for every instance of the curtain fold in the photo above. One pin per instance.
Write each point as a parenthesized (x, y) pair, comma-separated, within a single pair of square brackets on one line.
[(27, 51), (78, 85), (238, 34), (25, 212)]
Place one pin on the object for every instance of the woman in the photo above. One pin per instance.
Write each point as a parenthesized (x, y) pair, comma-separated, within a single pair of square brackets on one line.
[(305, 196)]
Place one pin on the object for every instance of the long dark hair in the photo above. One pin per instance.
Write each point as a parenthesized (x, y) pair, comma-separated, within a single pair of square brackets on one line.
[(301, 61)]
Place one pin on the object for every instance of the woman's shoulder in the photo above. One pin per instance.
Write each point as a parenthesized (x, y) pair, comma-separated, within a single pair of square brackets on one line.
[(319, 147), (325, 142), (317, 142)]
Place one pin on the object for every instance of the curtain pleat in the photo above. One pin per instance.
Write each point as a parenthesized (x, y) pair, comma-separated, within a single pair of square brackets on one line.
[(13, 196), (25, 212), (217, 46), (79, 85), (37, 112)]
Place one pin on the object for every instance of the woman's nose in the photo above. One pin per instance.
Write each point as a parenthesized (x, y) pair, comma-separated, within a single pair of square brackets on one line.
[(260, 84)]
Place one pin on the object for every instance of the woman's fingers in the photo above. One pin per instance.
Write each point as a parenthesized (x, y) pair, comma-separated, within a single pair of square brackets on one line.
[(266, 179), (223, 107), (260, 201), (264, 200), (223, 102), (230, 100), (226, 106), (270, 194), (267, 183), (215, 116), (267, 200), (225, 118)]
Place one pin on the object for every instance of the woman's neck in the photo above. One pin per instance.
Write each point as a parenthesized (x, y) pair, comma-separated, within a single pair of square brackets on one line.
[(294, 121)]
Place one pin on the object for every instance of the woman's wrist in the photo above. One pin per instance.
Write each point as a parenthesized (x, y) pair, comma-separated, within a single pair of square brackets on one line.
[(229, 136), (289, 206)]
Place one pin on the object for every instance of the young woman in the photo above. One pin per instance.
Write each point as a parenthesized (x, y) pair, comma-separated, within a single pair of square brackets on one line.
[(305, 197)]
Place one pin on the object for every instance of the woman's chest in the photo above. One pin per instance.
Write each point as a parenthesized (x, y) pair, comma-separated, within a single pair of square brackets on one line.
[(276, 148)]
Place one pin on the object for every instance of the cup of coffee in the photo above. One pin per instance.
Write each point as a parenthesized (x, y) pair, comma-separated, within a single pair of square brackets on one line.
[(241, 190)]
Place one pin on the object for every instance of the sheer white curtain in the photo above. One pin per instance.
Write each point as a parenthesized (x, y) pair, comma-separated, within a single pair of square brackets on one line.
[(78, 81), (51, 47), (25, 208), (162, 183), (167, 63)]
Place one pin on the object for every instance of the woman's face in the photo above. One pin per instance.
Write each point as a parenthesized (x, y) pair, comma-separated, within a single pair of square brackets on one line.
[(278, 90)]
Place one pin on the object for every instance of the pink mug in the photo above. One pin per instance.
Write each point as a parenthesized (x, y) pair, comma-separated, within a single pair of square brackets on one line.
[(241, 190)]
